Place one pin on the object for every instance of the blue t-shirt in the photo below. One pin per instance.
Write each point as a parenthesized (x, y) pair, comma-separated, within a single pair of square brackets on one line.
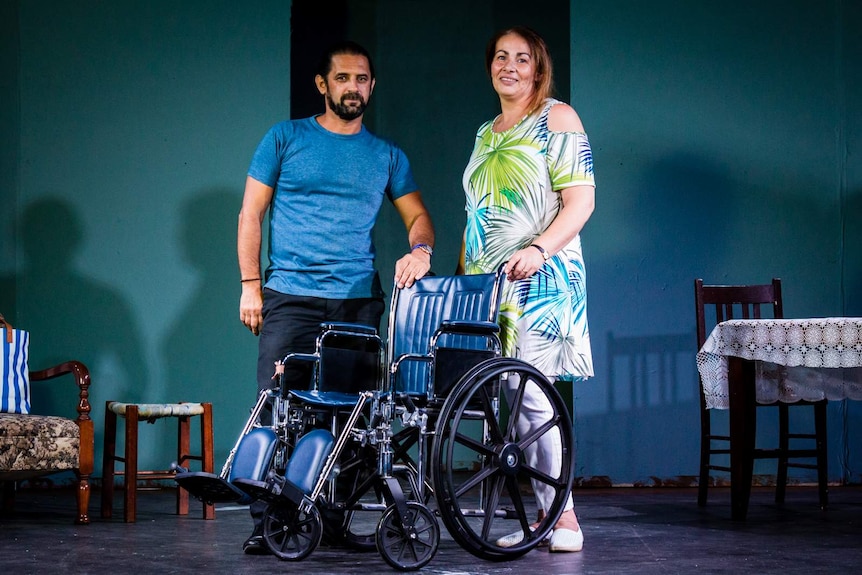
[(328, 191)]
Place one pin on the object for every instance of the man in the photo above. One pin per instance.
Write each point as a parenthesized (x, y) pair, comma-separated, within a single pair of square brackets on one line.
[(323, 180)]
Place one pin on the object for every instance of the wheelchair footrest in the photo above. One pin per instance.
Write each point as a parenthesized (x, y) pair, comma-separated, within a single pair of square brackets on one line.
[(208, 487), (257, 490), (273, 491)]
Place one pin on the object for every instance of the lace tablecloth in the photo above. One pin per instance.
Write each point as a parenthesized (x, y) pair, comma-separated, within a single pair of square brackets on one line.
[(797, 359)]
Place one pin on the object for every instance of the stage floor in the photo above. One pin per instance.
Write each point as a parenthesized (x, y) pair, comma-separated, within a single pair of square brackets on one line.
[(627, 530)]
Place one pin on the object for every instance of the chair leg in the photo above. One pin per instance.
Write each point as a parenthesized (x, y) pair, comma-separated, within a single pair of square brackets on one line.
[(705, 444), (130, 474), (822, 460), (86, 465), (108, 458), (783, 447), (183, 449), (703, 480), (207, 447), (82, 497)]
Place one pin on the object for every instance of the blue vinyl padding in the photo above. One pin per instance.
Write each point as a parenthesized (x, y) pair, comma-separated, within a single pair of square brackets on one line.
[(254, 454), (326, 398), (422, 308), (308, 458)]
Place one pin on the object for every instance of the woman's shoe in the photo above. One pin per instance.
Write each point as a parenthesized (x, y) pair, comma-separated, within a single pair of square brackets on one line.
[(566, 541), (513, 539)]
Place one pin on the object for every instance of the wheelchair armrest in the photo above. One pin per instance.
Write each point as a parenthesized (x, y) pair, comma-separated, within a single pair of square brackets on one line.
[(300, 357), (469, 327), (349, 327)]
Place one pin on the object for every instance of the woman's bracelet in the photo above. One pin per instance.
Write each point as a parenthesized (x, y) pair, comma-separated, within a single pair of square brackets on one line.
[(545, 255)]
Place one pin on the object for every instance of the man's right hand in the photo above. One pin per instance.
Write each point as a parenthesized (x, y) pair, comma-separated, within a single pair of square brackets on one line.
[(251, 306)]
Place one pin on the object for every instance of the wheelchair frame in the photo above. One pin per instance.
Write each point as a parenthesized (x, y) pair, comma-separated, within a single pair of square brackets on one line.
[(301, 487)]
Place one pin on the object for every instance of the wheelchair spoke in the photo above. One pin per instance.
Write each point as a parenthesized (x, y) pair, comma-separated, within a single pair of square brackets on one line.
[(492, 501), (518, 502), (472, 444), (538, 475), (474, 481), (528, 440), (515, 410), (495, 433)]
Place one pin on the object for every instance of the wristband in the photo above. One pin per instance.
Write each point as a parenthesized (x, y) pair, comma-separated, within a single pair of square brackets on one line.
[(425, 248), (249, 280), (545, 255)]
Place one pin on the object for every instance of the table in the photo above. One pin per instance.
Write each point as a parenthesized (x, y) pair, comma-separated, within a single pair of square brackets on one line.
[(774, 360)]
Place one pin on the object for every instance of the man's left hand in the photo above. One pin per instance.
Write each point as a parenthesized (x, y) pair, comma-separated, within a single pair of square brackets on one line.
[(411, 267)]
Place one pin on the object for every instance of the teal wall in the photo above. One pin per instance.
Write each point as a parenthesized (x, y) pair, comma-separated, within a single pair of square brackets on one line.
[(726, 143)]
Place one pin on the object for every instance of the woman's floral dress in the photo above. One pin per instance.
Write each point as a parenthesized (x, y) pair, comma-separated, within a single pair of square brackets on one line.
[(512, 184)]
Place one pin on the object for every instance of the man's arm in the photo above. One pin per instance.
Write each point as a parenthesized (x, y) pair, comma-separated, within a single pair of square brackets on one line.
[(420, 231), (255, 202)]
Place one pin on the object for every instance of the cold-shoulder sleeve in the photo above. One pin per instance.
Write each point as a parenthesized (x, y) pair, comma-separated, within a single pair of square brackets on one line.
[(570, 160)]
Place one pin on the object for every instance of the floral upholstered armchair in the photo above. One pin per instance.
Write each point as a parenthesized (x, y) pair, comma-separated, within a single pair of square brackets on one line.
[(36, 445)]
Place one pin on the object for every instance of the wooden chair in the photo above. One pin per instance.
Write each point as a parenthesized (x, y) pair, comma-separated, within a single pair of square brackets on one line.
[(36, 445), (134, 414), (747, 302)]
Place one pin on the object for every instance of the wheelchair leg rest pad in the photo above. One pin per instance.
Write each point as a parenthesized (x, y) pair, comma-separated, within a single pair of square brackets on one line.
[(254, 455)]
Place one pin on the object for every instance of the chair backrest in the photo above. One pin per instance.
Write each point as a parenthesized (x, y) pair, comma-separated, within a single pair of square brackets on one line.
[(349, 364), (735, 302), (417, 312)]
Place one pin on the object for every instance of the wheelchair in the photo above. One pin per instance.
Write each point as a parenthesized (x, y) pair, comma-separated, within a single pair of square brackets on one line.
[(421, 427)]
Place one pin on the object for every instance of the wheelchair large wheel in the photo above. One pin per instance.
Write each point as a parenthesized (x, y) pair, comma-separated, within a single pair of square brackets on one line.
[(479, 422), (290, 533), (408, 543)]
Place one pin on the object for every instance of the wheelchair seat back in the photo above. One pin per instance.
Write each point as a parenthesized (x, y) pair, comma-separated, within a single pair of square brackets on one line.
[(349, 365), (450, 364), (417, 313)]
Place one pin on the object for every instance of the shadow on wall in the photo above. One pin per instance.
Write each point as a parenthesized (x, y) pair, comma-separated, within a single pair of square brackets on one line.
[(641, 424), (208, 354), (687, 217), (645, 371), (650, 401), (71, 316)]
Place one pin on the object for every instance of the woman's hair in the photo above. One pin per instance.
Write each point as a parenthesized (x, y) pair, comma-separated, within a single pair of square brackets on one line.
[(544, 83)]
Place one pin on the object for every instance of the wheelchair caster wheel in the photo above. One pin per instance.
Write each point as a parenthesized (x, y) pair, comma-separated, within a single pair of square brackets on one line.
[(290, 533), (411, 544)]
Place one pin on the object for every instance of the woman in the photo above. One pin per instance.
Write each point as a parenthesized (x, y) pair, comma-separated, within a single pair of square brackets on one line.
[(530, 189)]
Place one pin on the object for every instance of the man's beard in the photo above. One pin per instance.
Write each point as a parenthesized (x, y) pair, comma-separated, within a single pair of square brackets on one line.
[(344, 111)]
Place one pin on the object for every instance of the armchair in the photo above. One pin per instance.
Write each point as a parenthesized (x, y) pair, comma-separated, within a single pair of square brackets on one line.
[(36, 445)]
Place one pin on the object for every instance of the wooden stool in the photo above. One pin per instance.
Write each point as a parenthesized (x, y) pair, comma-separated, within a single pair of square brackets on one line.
[(150, 412)]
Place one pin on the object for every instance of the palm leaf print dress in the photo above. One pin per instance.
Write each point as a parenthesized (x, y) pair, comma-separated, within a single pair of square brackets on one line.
[(512, 184)]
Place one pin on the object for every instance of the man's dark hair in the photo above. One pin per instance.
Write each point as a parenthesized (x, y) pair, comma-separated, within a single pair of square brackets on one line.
[(344, 47)]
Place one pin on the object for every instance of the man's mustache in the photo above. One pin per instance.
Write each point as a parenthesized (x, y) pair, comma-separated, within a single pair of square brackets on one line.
[(352, 96)]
